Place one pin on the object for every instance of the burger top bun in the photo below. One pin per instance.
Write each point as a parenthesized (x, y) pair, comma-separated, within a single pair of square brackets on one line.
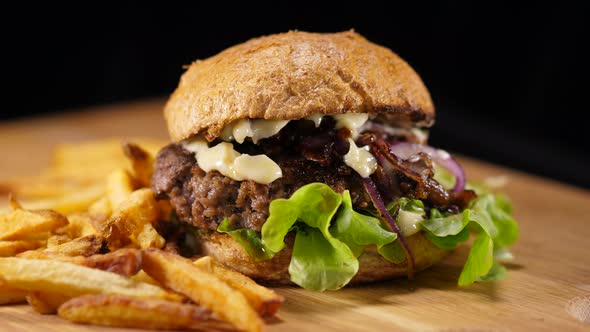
[(295, 74)]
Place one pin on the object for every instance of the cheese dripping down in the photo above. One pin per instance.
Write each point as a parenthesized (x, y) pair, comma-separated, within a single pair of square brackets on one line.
[(227, 161), (360, 159), (351, 121), (256, 129)]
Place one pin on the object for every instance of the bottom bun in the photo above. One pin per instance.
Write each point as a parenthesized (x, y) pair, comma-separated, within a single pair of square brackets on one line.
[(372, 266)]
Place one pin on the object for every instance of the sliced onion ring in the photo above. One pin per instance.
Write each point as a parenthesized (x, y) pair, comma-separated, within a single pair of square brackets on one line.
[(406, 150)]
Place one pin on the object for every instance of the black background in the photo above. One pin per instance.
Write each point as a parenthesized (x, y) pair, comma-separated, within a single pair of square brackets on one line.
[(510, 82)]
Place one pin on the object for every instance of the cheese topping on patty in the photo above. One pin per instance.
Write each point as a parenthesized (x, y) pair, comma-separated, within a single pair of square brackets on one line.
[(260, 168)]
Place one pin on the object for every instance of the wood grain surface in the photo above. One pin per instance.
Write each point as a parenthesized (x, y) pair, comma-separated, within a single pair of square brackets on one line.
[(547, 288)]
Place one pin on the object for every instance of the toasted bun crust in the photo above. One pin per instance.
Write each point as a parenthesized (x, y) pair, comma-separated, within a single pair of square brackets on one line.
[(295, 74), (372, 266)]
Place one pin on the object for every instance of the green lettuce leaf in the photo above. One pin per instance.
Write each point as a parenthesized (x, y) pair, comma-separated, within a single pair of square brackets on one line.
[(489, 216), (448, 242), (314, 204), (406, 204), (480, 259), (442, 226), (321, 262), (358, 230), (495, 209), (249, 239)]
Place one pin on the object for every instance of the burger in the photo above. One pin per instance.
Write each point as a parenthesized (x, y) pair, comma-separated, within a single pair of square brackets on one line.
[(302, 158)]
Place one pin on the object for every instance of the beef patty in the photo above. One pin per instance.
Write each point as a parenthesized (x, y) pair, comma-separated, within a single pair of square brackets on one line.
[(205, 199)]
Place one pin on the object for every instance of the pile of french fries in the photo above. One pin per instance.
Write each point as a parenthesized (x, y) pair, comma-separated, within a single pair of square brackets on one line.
[(82, 241)]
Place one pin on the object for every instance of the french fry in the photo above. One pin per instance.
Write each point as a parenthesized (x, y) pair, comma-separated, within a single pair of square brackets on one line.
[(42, 237), (42, 254), (265, 301), (73, 280), (82, 246), (101, 208), (80, 224), (137, 211), (125, 311), (144, 277), (46, 303), (57, 240), (19, 223), (54, 185), (10, 295), (97, 157), (181, 275), (119, 187), (75, 201), (148, 237), (126, 262), (141, 163), (11, 248)]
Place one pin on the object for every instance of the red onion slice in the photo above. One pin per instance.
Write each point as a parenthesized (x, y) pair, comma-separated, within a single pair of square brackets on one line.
[(373, 192), (406, 150)]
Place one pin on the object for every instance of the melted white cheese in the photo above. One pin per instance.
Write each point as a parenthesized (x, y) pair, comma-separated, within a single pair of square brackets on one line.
[(360, 159), (352, 121), (227, 161), (408, 222), (256, 129), (316, 118)]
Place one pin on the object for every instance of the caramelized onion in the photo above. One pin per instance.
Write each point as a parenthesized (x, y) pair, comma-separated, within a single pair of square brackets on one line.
[(406, 150)]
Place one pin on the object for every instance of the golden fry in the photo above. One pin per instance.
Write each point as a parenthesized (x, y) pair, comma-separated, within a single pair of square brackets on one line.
[(126, 224), (19, 223), (42, 236), (82, 246), (11, 248), (76, 201), (119, 187), (10, 295), (57, 240), (101, 207), (73, 280), (80, 224), (126, 262), (125, 311), (141, 163), (148, 237), (46, 303), (265, 301), (181, 275), (144, 277), (97, 157)]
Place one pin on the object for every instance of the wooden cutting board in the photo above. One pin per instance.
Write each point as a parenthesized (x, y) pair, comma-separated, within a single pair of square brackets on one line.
[(548, 286)]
